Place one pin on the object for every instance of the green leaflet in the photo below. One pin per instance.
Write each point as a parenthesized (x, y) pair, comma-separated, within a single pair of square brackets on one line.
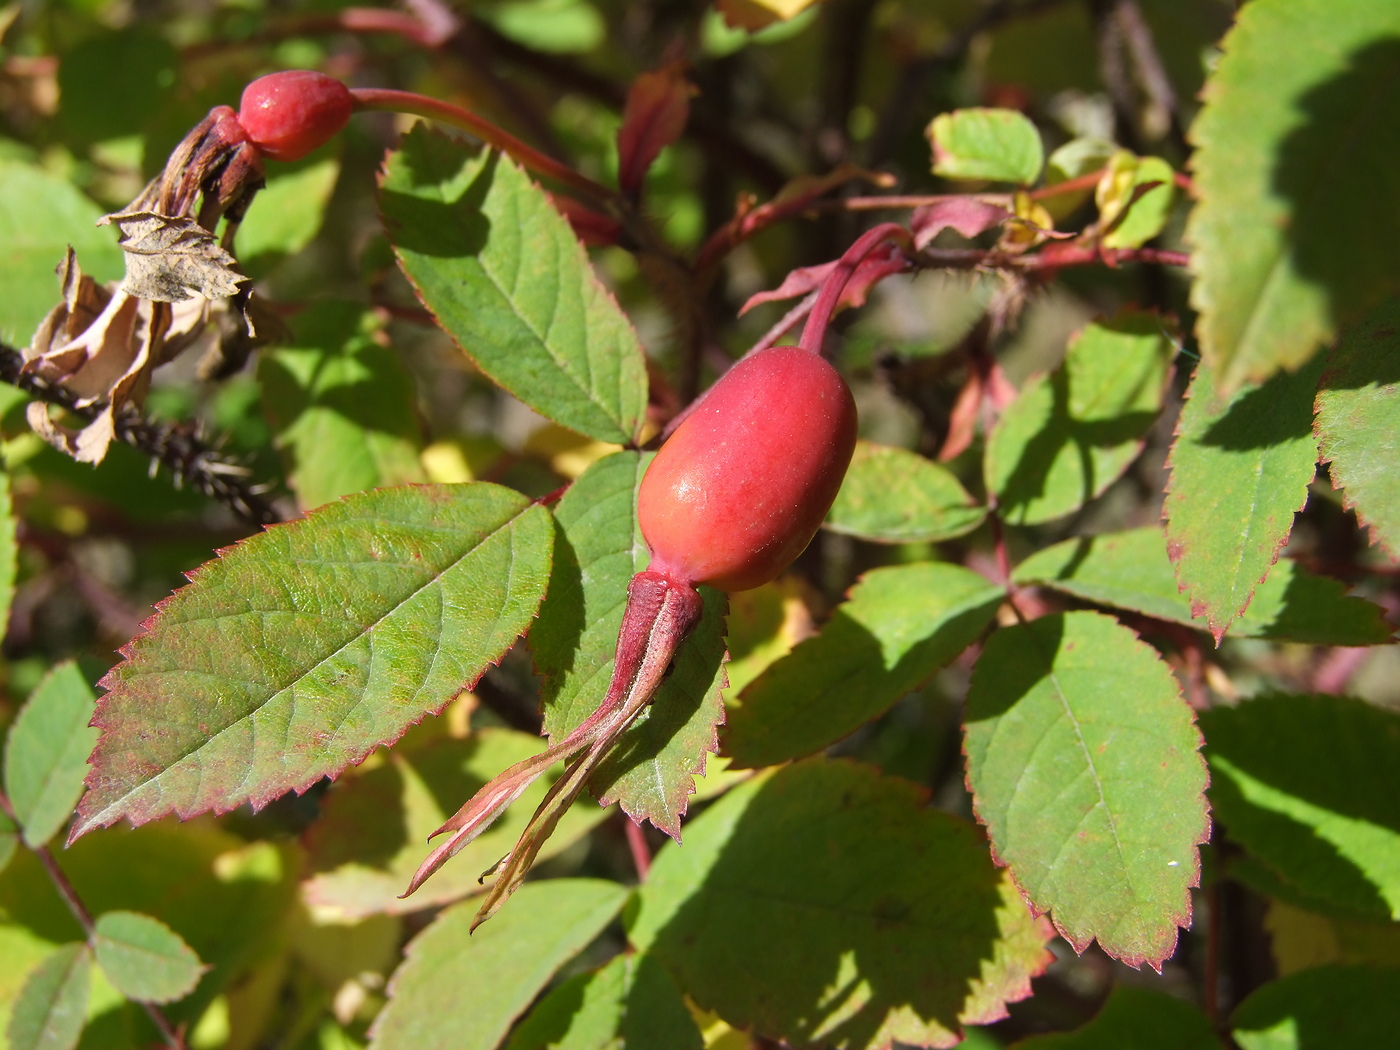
[(1071, 434), (997, 144), (1294, 231), (287, 214), (343, 407), (1135, 1019), (1322, 1008), (492, 976), (145, 958), (827, 904), (1140, 213), (899, 626), (368, 841), (1358, 422), (893, 496), (630, 1002), (46, 753), (1239, 470), (575, 641), (508, 280), (51, 1009), (301, 650), (1310, 786), (1131, 570), (1082, 760)]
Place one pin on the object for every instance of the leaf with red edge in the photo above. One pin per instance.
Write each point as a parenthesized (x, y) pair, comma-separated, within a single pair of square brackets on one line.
[(968, 216), (299, 651), (884, 261), (1084, 764), (658, 105)]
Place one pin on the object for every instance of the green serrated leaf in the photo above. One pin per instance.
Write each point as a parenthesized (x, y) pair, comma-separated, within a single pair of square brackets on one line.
[(1294, 230), (52, 1007), (1135, 1019), (801, 907), (301, 650), (630, 1002), (506, 277), (893, 496), (492, 976), (287, 214), (1310, 786), (369, 839), (1082, 760), (1321, 1009), (40, 216), (46, 753), (899, 625), (1071, 434), (1358, 422), (1131, 570), (1136, 215), (344, 407), (996, 144), (144, 958), (650, 773), (1239, 470)]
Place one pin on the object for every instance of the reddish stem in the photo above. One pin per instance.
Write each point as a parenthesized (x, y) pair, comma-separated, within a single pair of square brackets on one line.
[(830, 294), (637, 844), (390, 100)]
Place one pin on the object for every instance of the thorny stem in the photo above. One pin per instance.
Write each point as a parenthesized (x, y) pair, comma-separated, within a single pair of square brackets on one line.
[(84, 918), (830, 294)]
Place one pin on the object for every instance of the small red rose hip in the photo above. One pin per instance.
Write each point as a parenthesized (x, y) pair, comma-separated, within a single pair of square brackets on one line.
[(289, 114), (740, 488)]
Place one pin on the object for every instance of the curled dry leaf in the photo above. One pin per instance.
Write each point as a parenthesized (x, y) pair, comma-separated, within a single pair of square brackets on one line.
[(170, 259)]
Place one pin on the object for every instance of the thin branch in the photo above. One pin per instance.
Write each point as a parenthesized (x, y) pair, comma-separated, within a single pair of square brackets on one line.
[(189, 459), (637, 845), (1152, 73)]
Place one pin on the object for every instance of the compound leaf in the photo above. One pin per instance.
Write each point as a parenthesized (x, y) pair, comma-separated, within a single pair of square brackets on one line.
[(997, 144), (650, 773), (1239, 470), (144, 958), (893, 496), (1358, 422), (503, 273), (899, 625), (1294, 233), (46, 754), (492, 976), (1135, 1019), (299, 651), (803, 906), (1321, 1008), (1082, 759), (1131, 570), (52, 1006)]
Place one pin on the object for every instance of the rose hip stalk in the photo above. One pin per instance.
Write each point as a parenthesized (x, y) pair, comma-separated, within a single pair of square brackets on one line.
[(732, 498)]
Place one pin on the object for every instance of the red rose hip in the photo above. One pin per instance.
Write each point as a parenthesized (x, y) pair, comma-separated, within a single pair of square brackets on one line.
[(740, 488), (289, 114)]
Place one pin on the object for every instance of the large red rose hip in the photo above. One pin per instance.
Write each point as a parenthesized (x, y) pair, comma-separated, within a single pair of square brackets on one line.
[(289, 114)]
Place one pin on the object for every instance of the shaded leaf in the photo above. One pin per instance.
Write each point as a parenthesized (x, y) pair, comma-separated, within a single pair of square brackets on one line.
[(145, 958), (996, 144), (288, 212), (1358, 420), (658, 105), (893, 496), (114, 82), (9, 839), (1310, 786), (1135, 1019), (803, 906), (899, 625), (9, 549), (1082, 760), (1239, 470), (1320, 1009), (491, 977), (630, 1002), (502, 272), (1131, 570), (369, 839), (46, 753), (299, 651), (1293, 231), (52, 1007), (599, 548), (1301, 939), (343, 407), (1071, 434), (966, 215)]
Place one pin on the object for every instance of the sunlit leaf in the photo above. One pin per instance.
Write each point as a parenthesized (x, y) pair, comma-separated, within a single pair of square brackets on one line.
[(1294, 232), (1135, 1019), (758, 14), (301, 650), (893, 496), (899, 626), (145, 958), (1134, 210), (825, 904), (505, 276), (287, 213), (51, 1008), (1321, 1009), (1082, 759), (996, 144), (46, 753), (492, 976)]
